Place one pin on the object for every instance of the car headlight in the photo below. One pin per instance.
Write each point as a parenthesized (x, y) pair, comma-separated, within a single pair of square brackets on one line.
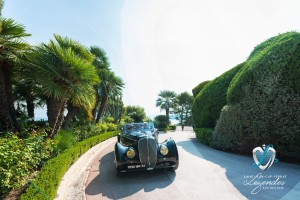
[(164, 150), (130, 153)]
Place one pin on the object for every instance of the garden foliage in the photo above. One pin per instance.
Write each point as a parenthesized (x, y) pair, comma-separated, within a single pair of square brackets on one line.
[(46, 183), (21, 157)]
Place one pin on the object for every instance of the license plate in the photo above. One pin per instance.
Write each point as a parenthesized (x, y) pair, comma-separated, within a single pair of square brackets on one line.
[(136, 166)]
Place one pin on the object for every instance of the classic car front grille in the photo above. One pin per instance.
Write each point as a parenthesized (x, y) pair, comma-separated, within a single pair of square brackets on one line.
[(148, 152)]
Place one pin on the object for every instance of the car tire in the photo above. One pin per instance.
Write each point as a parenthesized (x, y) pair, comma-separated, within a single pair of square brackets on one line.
[(120, 174)]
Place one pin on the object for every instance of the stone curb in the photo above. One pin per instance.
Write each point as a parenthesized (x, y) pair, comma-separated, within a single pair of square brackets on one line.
[(72, 186)]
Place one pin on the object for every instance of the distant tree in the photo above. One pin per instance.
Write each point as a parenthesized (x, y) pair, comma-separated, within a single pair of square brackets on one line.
[(136, 113), (183, 107), (161, 122), (166, 101)]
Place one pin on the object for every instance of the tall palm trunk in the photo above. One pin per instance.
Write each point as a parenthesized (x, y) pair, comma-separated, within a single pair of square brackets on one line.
[(104, 100), (55, 111), (72, 110), (8, 118), (167, 114), (30, 105), (94, 111)]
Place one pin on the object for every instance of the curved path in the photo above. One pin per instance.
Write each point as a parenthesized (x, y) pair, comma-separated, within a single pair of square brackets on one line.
[(203, 173)]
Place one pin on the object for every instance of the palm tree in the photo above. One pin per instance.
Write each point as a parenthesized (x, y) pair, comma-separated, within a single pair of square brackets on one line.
[(63, 71), (166, 101), (12, 49), (100, 62), (1, 6), (110, 87)]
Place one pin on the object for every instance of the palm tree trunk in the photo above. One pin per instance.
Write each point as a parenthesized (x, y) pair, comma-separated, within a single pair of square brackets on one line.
[(55, 110), (5, 120), (72, 110), (167, 114), (94, 111), (30, 105), (102, 107), (8, 113)]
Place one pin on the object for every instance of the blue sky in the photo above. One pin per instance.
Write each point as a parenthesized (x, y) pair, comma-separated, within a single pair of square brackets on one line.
[(160, 44)]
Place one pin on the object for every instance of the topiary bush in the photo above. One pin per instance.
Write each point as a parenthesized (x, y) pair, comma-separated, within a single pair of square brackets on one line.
[(210, 101), (280, 54), (199, 87), (263, 98), (204, 135), (270, 114)]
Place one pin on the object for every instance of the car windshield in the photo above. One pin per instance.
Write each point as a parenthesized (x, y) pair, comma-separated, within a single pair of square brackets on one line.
[(150, 124), (136, 127)]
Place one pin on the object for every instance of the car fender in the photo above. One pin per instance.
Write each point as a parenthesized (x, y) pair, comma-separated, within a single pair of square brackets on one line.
[(120, 152), (173, 152)]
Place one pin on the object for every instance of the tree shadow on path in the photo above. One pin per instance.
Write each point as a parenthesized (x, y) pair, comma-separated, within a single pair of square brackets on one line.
[(239, 166)]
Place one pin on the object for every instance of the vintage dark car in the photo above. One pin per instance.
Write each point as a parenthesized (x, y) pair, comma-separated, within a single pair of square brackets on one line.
[(138, 149)]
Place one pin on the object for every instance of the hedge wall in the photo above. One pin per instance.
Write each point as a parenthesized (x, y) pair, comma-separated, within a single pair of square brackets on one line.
[(48, 179), (204, 135), (209, 102), (280, 54), (199, 87), (264, 100)]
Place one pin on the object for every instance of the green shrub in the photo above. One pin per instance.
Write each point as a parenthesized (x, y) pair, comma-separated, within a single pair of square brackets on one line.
[(204, 135), (210, 101), (90, 130), (64, 140), (161, 122), (172, 127), (270, 114), (279, 54), (162, 129), (19, 158), (48, 179), (199, 87)]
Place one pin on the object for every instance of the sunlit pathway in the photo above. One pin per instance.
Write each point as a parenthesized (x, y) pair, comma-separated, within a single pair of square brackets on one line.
[(204, 173)]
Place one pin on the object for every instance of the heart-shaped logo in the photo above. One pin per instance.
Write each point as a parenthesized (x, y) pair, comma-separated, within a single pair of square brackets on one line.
[(263, 152)]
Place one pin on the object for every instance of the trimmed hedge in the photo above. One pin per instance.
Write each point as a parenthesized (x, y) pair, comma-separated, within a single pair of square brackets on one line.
[(264, 100), (199, 87), (278, 55), (209, 102), (48, 179), (171, 128), (204, 135)]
